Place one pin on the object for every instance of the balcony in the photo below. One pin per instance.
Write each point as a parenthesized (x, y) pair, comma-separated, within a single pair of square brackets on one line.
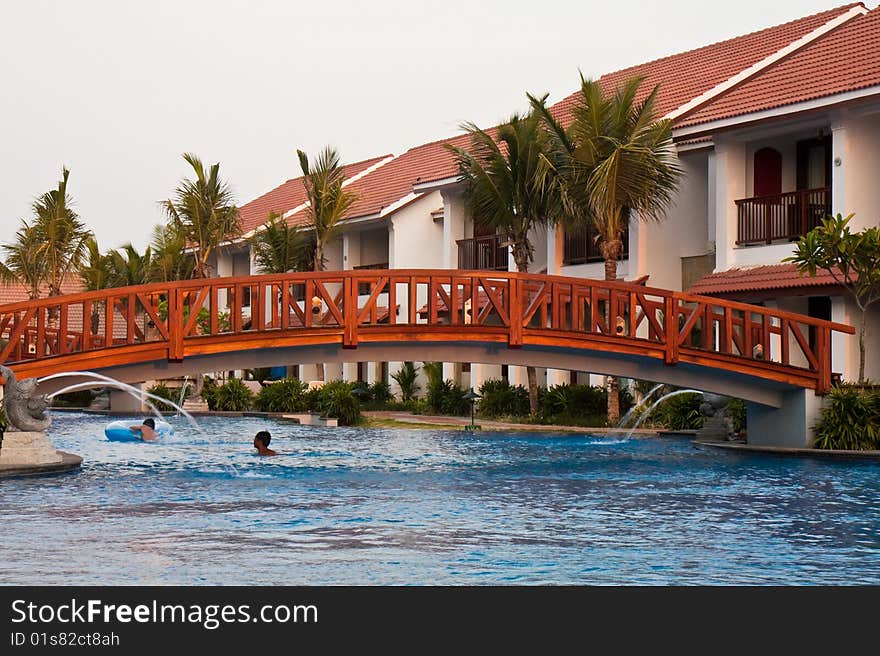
[(788, 216), (487, 253), (583, 247), (364, 288)]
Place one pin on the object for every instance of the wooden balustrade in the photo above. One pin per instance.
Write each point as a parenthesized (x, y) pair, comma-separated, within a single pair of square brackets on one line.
[(487, 253), (764, 219), (125, 324)]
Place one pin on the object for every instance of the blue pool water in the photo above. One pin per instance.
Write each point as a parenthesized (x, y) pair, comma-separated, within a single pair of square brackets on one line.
[(372, 506)]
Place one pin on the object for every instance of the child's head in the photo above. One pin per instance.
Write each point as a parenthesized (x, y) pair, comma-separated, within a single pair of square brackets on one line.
[(149, 421), (263, 437)]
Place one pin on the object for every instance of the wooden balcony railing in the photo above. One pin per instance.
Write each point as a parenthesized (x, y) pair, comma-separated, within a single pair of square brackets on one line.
[(765, 219), (482, 253), (364, 288), (583, 247)]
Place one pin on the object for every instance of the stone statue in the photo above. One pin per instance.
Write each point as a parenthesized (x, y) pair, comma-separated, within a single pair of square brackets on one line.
[(717, 425), (25, 411)]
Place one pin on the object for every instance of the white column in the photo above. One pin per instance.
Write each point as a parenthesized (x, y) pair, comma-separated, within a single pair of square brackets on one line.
[(730, 185), (843, 347), (710, 195), (393, 368), (351, 250), (373, 370), (839, 153), (557, 377), (453, 226), (480, 373), (555, 250), (349, 371), (517, 376), (449, 372)]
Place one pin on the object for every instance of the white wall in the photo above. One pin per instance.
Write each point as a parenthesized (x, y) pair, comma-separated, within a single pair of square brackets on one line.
[(659, 246), (860, 165)]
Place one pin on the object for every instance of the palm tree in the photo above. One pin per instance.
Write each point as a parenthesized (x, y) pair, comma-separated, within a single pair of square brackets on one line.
[(511, 186), (170, 260), (281, 248), (329, 202), (64, 236), (617, 157), (203, 211), (128, 267), (24, 262), (96, 273)]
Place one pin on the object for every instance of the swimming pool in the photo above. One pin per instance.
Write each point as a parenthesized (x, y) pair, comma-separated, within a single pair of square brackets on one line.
[(386, 506)]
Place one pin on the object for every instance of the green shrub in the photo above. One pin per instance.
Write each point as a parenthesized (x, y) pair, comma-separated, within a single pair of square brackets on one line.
[(380, 393), (336, 399), (288, 395), (446, 398), (501, 399), (234, 396), (850, 420), (680, 412), (79, 399), (162, 390), (406, 378), (574, 401), (736, 411)]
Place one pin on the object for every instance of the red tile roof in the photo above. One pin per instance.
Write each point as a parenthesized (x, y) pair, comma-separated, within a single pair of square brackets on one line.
[(285, 197), (395, 180), (846, 59), (685, 76), (759, 278), (15, 292)]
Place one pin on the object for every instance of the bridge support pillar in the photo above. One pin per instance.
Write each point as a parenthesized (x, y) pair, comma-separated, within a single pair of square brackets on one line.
[(788, 426), (121, 401)]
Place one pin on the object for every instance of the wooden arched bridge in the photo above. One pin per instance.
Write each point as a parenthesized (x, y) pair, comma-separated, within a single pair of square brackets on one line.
[(168, 329)]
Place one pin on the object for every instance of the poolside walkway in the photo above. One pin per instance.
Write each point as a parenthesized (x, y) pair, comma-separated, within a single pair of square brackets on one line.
[(492, 425), (790, 451)]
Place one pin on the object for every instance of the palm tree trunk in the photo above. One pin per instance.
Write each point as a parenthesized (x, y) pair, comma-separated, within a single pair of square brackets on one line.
[(610, 252), (521, 257), (319, 266), (862, 347)]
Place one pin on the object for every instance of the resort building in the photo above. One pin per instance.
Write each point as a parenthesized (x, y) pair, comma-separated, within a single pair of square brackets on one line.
[(773, 130)]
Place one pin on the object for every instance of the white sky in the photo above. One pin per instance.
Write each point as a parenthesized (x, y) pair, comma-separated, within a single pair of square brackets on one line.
[(118, 90)]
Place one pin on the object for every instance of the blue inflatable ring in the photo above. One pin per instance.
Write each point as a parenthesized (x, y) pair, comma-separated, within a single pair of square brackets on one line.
[(120, 430)]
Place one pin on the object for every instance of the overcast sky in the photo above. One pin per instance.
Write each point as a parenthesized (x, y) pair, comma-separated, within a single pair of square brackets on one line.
[(117, 90)]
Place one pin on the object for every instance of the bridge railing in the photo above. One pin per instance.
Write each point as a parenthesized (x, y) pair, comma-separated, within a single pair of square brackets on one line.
[(464, 305)]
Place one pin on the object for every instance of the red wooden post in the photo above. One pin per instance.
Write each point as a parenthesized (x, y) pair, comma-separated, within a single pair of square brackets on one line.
[(62, 329), (175, 326), (670, 328), (350, 313), (515, 313)]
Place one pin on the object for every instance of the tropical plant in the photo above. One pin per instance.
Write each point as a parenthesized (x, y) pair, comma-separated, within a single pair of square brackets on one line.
[(328, 200), (406, 378), (162, 390), (615, 157), (501, 399), (170, 261), (511, 186), (233, 396), (335, 399), (203, 213), (24, 263), (328, 205), (680, 412), (288, 395), (575, 401), (851, 258), (849, 420), (282, 248), (128, 267), (63, 234), (446, 398)]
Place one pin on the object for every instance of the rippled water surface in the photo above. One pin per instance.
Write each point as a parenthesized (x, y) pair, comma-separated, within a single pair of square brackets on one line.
[(369, 506)]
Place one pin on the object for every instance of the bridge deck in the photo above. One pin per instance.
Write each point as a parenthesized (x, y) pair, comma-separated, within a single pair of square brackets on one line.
[(177, 321)]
